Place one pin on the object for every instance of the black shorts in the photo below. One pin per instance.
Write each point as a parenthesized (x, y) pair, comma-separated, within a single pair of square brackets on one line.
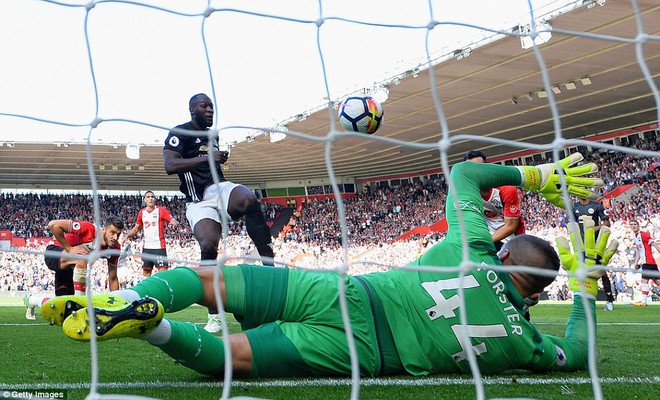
[(63, 277), (53, 261), (650, 268), (160, 262)]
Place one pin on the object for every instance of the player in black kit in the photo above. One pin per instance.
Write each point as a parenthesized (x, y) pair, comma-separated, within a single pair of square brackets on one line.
[(585, 208), (187, 155)]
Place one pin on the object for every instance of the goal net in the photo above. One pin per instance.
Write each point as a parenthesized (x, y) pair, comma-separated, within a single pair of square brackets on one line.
[(112, 71)]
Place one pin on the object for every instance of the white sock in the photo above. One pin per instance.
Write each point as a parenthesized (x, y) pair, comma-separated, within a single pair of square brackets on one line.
[(79, 281), (126, 294), (37, 299), (645, 292), (160, 335)]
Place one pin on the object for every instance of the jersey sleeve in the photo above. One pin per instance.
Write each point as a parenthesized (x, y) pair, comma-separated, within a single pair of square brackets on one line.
[(138, 220), (571, 352), (510, 201), (165, 214), (468, 180), (646, 238), (84, 230), (603, 213), (175, 141), (75, 227)]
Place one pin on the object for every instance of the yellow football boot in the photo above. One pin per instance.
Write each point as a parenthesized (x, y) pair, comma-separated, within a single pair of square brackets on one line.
[(58, 308), (132, 320)]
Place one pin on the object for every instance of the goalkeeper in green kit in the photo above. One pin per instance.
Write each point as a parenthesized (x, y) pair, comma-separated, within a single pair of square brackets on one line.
[(403, 321)]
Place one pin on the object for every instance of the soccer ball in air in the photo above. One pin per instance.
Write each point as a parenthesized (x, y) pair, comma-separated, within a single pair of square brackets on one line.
[(360, 114)]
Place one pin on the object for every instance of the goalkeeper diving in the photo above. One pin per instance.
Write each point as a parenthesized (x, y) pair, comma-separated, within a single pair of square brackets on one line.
[(403, 321)]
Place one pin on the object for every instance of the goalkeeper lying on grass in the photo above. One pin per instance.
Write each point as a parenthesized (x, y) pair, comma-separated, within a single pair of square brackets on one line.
[(403, 321)]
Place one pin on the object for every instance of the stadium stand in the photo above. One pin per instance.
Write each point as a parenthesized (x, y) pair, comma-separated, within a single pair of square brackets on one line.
[(383, 214)]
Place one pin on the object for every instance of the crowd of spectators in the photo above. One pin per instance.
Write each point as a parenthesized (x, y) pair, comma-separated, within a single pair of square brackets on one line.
[(374, 219), (27, 215)]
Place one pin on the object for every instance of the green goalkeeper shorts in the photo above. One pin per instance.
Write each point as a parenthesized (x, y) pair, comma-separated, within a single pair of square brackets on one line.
[(294, 316)]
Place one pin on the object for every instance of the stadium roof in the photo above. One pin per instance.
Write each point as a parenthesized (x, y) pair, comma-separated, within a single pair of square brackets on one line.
[(492, 93)]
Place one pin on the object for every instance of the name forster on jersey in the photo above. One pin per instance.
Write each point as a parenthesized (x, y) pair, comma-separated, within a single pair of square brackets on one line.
[(509, 310)]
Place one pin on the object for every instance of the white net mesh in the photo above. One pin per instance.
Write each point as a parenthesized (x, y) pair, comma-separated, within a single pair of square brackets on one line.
[(97, 58)]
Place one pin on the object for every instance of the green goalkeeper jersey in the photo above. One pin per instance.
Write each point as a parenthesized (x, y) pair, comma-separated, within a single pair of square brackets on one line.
[(424, 315)]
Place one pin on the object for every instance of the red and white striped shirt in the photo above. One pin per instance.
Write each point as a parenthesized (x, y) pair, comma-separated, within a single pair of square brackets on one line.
[(643, 242), (500, 203), (153, 226)]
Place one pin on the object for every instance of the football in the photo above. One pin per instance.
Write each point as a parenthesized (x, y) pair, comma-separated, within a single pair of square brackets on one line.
[(360, 114)]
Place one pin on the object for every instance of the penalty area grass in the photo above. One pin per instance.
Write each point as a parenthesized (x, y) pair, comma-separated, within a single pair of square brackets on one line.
[(38, 356)]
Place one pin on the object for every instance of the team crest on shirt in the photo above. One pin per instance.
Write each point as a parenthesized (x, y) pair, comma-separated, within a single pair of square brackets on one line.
[(174, 141), (561, 356), (513, 209), (197, 140)]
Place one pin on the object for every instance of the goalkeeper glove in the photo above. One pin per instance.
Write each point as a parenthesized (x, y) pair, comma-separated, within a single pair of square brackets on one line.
[(594, 252), (546, 180)]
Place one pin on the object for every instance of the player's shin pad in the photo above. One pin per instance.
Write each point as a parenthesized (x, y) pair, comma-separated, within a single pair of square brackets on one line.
[(546, 180)]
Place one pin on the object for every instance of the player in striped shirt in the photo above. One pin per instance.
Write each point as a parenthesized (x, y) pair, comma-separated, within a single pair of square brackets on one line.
[(644, 245), (151, 221)]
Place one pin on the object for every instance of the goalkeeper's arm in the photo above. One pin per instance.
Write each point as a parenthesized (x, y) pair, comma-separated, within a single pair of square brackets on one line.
[(571, 353)]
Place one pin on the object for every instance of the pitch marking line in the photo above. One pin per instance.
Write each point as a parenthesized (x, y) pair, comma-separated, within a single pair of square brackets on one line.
[(331, 382)]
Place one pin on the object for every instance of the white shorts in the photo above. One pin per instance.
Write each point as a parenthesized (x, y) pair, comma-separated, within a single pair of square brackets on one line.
[(213, 205)]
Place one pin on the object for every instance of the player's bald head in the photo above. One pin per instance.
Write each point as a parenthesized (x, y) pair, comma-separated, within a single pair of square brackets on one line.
[(196, 99), (534, 252)]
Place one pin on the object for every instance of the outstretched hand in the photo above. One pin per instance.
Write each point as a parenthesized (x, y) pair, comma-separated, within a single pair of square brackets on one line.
[(546, 179), (595, 253)]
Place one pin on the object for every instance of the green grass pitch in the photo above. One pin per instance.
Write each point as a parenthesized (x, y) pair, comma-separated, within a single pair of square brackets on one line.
[(36, 356)]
